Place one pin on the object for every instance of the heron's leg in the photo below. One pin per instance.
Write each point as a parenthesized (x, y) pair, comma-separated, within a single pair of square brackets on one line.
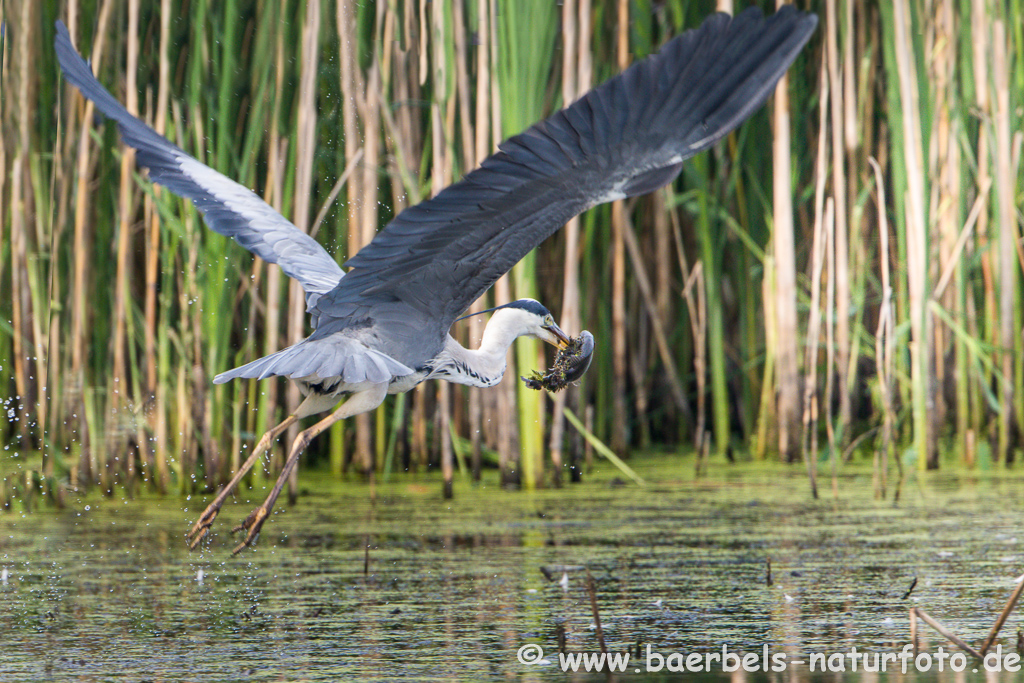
[(359, 402), (202, 525)]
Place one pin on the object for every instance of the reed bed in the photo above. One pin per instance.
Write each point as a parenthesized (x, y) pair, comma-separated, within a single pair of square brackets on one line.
[(863, 271)]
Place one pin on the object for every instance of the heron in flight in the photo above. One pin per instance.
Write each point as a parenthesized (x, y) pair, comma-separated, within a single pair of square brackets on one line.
[(382, 327)]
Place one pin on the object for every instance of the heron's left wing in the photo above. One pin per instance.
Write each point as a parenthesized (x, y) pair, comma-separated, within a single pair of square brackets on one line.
[(626, 137), (229, 208)]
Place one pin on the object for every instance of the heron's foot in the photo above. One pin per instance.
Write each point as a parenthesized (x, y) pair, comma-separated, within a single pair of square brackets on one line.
[(251, 526), (202, 526)]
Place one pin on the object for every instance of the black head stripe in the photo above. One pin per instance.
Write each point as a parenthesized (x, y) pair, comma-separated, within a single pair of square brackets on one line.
[(530, 305)]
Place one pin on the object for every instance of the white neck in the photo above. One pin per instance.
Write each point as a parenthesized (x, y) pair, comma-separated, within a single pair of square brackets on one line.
[(483, 366)]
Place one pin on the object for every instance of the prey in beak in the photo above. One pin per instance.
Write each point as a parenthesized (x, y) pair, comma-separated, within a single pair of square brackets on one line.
[(570, 365)]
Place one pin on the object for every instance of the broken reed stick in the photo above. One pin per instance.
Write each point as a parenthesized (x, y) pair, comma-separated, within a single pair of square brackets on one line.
[(1010, 604), (913, 629), (592, 590), (949, 635)]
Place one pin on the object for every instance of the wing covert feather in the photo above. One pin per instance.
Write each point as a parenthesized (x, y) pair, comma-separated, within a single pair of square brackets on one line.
[(625, 137)]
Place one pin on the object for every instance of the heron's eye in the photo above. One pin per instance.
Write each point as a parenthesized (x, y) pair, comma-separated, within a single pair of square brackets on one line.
[(549, 321)]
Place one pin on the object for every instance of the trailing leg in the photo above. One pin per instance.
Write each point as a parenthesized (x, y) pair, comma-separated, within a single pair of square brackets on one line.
[(359, 402), (202, 526)]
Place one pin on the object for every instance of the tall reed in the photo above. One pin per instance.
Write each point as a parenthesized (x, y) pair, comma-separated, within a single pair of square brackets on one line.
[(117, 306)]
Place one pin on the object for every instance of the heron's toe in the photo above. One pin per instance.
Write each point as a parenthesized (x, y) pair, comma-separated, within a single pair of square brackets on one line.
[(202, 526), (251, 525)]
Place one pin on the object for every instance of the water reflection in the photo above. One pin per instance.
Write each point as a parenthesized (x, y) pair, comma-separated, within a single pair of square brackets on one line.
[(411, 586)]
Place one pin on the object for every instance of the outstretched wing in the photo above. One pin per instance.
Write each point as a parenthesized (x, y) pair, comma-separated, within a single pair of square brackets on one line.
[(229, 208), (626, 137)]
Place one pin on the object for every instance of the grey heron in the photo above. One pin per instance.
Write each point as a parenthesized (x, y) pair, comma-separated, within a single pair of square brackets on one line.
[(383, 326)]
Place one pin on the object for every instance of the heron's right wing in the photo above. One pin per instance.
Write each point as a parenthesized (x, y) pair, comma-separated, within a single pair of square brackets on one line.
[(229, 208), (625, 137)]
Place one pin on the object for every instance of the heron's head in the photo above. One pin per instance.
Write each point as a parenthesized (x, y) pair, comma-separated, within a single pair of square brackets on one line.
[(541, 323), (529, 317)]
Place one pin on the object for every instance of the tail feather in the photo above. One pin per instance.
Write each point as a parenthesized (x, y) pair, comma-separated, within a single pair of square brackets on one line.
[(333, 356)]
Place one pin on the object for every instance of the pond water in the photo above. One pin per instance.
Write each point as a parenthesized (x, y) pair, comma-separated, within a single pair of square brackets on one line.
[(452, 590)]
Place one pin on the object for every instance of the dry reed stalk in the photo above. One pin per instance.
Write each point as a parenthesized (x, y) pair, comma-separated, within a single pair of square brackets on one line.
[(39, 271), (647, 294), (598, 631), (700, 363), (60, 428), (440, 177), (570, 318), (885, 342), (274, 196), (662, 257), (22, 314), (155, 387), (849, 90), (588, 448), (482, 142), (467, 159), (840, 239), (463, 93), (1005, 190), (945, 632), (944, 167), (913, 628), (336, 189), (82, 249), (405, 138), (152, 231), (5, 113), (822, 239), (917, 244), (584, 78), (369, 111), (952, 259), (697, 308), (620, 365), (481, 147), (831, 257), (121, 398), (508, 434), (825, 220), (767, 426), (638, 362), (981, 42), (786, 353), (996, 627), (305, 153), (354, 94)]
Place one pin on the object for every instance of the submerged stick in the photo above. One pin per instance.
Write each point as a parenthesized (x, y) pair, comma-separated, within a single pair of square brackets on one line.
[(911, 589), (913, 628), (1010, 604), (592, 590), (946, 633), (366, 556)]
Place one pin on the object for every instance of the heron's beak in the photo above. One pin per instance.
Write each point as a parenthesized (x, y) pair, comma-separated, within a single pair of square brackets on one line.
[(558, 338)]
